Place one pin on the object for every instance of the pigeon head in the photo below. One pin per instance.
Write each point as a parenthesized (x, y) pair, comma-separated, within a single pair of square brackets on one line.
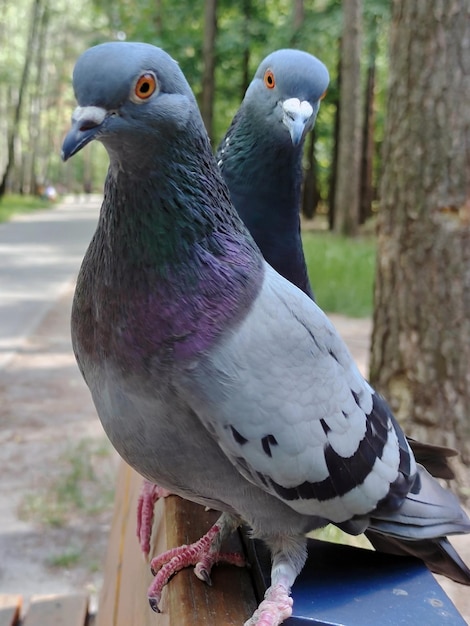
[(166, 220), (126, 92), (285, 94)]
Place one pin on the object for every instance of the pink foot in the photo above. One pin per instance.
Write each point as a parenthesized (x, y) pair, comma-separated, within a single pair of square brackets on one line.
[(274, 609), (149, 494), (203, 554)]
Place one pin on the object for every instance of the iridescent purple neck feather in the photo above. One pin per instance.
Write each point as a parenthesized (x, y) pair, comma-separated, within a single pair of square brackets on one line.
[(173, 264)]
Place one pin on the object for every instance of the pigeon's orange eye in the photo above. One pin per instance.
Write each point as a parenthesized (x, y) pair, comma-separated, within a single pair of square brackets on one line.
[(145, 86), (269, 79)]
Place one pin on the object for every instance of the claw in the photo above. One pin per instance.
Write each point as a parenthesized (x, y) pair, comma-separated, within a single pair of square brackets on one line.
[(154, 605), (203, 575), (202, 554)]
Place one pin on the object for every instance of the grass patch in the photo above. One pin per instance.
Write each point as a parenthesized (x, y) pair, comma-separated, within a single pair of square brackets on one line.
[(70, 558), (82, 487), (12, 204), (341, 272)]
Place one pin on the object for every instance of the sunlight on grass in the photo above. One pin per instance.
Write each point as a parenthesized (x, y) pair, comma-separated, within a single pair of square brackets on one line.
[(13, 204), (335, 535), (341, 272)]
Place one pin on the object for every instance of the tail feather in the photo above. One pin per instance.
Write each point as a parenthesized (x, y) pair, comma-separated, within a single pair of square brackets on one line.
[(428, 511), (419, 528), (438, 554), (434, 458)]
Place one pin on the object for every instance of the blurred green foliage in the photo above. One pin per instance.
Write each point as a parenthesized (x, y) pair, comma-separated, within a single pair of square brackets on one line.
[(341, 272), (247, 31), (13, 204)]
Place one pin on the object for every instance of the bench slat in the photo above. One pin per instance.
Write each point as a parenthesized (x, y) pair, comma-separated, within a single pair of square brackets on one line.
[(126, 575), (10, 608), (186, 600), (63, 610), (230, 600)]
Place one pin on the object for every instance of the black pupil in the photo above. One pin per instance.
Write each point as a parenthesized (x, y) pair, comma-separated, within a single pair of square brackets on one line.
[(270, 79), (144, 87)]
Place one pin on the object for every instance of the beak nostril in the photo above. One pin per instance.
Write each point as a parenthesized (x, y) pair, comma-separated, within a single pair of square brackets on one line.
[(88, 125)]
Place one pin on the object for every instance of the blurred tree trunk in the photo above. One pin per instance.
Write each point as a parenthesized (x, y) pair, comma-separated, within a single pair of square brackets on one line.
[(420, 357), (14, 127), (310, 191), (246, 78), (208, 57), (346, 207), (298, 17), (36, 105), (334, 157), (366, 194), (158, 18)]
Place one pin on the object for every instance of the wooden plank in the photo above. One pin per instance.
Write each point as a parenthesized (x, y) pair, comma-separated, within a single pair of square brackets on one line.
[(57, 610), (186, 600), (230, 600), (123, 598), (10, 608)]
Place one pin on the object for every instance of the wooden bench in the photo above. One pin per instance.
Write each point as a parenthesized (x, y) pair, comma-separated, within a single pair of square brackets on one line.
[(186, 601), (50, 610), (339, 584)]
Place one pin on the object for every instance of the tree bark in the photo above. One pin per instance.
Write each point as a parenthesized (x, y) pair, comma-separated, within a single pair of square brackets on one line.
[(366, 194), (298, 16), (334, 157), (346, 208), (35, 12), (246, 77), (420, 356), (310, 191), (37, 104), (208, 55)]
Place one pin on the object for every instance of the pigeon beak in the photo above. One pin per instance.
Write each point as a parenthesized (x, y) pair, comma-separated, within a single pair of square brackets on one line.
[(298, 117), (86, 123)]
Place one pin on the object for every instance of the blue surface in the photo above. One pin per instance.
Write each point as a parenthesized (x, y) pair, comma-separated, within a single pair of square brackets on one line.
[(345, 586)]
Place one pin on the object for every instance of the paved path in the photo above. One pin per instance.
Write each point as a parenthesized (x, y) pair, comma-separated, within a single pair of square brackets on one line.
[(40, 254), (45, 408)]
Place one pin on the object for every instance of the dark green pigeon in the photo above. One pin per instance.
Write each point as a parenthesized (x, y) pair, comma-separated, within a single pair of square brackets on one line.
[(261, 155)]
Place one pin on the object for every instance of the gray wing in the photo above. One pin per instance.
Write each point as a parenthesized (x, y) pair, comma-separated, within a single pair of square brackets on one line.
[(288, 406)]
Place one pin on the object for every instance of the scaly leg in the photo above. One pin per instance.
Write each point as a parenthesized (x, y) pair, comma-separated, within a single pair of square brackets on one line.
[(149, 494), (288, 556)]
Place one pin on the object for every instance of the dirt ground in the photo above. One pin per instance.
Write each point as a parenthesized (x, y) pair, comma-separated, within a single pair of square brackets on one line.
[(58, 470), (52, 443)]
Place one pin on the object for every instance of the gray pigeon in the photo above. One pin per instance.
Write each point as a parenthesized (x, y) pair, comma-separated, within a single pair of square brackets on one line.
[(213, 375), (261, 161)]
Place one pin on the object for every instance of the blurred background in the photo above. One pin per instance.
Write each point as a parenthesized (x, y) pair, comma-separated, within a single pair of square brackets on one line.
[(218, 43), (385, 205)]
